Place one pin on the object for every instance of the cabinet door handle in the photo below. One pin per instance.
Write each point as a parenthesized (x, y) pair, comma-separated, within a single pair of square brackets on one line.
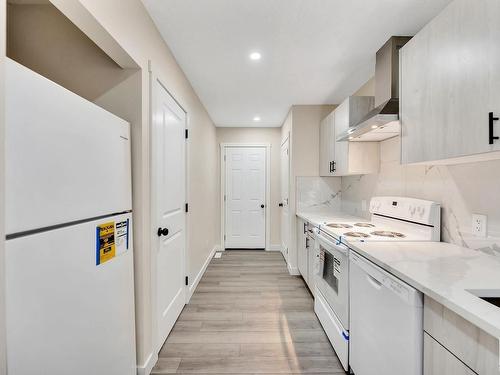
[(334, 166), (492, 119)]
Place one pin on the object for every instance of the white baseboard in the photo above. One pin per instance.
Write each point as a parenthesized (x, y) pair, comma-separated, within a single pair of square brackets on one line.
[(293, 270), (274, 248), (198, 277), (148, 365)]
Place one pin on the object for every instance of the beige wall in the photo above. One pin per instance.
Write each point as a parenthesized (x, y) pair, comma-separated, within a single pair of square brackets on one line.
[(305, 128), (3, 369), (271, 136), (131, 27), (43, 39)]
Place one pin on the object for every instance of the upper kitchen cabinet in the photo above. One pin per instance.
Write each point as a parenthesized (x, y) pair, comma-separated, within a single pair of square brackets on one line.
[(351, 158), (450, 86), (327, 145)]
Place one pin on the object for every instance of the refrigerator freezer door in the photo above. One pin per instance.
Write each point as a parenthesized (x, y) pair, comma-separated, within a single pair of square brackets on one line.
[(66, 158), (65, 314)]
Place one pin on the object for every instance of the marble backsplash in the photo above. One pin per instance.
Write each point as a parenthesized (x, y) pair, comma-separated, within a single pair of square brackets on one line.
[(462, 190), (318, 193)]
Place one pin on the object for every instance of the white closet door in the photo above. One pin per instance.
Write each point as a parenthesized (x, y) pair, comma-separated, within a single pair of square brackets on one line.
[(285, 172), (168, 172), (245, 197)]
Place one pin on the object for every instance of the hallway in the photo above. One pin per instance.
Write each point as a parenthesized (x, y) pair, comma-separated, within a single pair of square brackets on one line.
[(248, 315)]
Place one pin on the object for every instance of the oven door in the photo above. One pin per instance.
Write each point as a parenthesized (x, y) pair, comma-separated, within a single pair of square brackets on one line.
[(332, 278)]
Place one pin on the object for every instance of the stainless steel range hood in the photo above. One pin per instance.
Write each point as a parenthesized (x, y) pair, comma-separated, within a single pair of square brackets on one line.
[(383, 121)]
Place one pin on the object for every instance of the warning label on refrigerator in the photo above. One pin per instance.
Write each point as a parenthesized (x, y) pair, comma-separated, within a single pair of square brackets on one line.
[(105, 242), (122, 237)]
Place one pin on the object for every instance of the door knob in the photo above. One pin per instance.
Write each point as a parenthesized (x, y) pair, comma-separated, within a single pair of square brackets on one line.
[(262, 206), (162, 232), (280, 204)]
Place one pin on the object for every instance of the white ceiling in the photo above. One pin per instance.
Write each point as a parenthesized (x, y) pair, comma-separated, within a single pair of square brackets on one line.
[(313, 51)]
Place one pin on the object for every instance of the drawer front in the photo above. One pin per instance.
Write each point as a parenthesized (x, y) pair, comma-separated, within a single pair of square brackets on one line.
[(439, 361), (473, 346)]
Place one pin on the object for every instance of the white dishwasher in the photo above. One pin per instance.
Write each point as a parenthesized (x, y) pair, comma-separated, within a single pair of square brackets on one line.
[(386, 322)]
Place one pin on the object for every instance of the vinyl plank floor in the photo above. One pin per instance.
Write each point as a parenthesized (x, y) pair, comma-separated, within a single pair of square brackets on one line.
[(248, 316)]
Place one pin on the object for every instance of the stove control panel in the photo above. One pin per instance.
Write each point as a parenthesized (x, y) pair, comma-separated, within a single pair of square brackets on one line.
[(410, 209)]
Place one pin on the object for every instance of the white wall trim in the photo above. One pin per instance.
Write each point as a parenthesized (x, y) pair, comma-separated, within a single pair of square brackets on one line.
[(148, 365), (196, 281), (223, 147), (275, 247)]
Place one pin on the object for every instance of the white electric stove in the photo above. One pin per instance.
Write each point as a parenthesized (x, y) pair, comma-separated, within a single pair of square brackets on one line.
[(392, 219)]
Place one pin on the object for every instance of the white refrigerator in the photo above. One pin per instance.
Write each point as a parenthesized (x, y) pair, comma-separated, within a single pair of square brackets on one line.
[(69, 255)]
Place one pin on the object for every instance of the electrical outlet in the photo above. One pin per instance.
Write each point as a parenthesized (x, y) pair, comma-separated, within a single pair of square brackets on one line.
[(479, 223)]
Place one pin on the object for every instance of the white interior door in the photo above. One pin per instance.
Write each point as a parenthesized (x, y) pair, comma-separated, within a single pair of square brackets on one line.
[(285, 224), (245, 197), (168, 172)]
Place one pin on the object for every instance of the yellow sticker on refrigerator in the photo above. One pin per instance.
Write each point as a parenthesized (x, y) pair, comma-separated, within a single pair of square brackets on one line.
[(105, 242)]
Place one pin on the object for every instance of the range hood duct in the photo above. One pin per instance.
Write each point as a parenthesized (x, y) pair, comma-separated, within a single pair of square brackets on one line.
[(383, 121)]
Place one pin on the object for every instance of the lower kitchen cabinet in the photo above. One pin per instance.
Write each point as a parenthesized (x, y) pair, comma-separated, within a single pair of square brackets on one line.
[(312, 265), (439, 361), (301, 248), (472, 346), (306, 253)]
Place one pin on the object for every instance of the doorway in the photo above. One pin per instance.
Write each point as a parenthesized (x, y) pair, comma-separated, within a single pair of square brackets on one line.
[(245, 183), (168, 194), (285, 177)]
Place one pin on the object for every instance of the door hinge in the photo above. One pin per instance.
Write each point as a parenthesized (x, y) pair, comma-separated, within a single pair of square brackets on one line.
[(187, 133), (187, 280), (187, 207), (224, 237), (224, 157), (224, 197)]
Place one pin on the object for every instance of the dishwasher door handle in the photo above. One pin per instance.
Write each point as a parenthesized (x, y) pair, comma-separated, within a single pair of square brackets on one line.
[(375, 283)]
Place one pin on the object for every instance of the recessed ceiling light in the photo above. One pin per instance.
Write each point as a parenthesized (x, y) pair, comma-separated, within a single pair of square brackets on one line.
[(256, 118), (351, 137), (255, 56), (374, 126)]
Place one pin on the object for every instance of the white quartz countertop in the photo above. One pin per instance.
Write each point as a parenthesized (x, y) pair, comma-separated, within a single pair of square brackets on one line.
[(323, 215), (444, 272)]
